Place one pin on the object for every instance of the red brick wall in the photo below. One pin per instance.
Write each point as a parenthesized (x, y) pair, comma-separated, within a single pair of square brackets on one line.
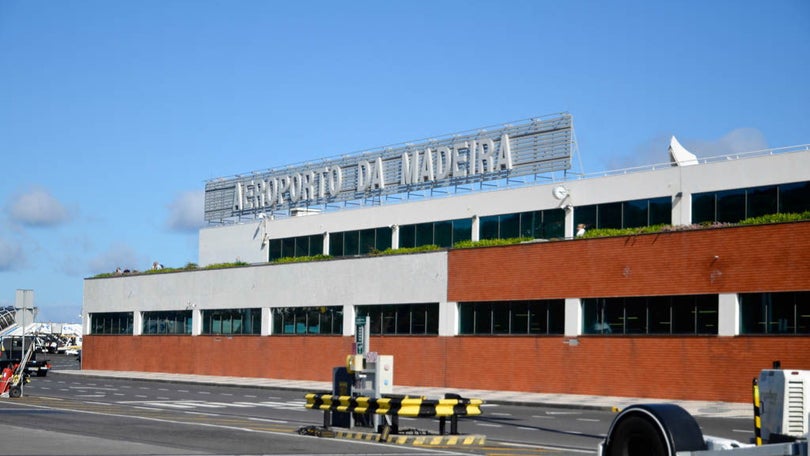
[(698, 368), (721, 260)]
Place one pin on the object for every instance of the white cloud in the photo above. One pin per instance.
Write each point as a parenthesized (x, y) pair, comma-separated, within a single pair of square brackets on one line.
[(11, 255), (186, 212), (37, 208), (117, 256), (654, 151), (734, 142)]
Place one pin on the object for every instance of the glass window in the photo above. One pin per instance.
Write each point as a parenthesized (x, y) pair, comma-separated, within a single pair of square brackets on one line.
[(635, 316), (336, 244), (274, 249), (308, 320), (383, 238), (316, 244), (167, 322), (660, 211), (351, 243), (651, 315), (703, 205), (585, 215), (368, 241), (232, 321), (402, 319), (731, 206), (636, 214), (119, 323), (794, 198), (424, 234), (775, 313), (462, 230), (512, 317), (488, 227), (609, 215), (519, 318), (407, 236), (302, 246), (500, 318), (443, 233), (288, 247), (509, 226), (553, 224), (761, 201)]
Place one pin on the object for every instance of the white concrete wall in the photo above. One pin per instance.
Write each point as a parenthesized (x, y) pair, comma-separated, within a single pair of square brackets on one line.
[(396, 279)]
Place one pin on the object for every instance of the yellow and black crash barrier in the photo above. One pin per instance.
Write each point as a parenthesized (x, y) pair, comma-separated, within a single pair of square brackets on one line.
[(414, 407), (452, 406)]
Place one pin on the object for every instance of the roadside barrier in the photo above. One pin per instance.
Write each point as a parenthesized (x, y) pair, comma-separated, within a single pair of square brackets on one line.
[(400, 406), (452, 406), (757, 414)]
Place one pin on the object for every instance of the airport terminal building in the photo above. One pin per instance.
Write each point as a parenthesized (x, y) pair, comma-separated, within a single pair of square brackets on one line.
[(408, 236)]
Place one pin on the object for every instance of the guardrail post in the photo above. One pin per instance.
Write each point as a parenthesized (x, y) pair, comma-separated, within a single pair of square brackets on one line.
[(442, 421), (757, 416)]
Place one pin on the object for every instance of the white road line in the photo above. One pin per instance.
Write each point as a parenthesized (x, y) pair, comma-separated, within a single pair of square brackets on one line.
[(744, 431), (593, 420), (501, 414), (488, 425)]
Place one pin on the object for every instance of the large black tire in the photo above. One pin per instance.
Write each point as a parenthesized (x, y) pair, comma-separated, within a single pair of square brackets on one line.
[(653, 430), (15, 391), (637, 436)]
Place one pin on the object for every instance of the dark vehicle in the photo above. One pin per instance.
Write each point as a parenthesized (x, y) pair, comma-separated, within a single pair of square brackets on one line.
[(12, 354)]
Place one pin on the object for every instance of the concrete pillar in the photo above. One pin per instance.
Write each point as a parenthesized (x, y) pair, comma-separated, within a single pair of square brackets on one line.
[(573, 317), (728, 314), (448, 318)]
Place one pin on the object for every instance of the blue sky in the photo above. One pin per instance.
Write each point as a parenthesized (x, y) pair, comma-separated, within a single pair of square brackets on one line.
[(113, 114)]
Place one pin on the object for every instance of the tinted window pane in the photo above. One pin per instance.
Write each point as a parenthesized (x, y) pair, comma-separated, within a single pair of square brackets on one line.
[(520, 318), (500, 318), (462, 230), (424, 234), (703, 208), (761, 201), (554, 223), (443, 232), (316, 244), (367, 241), (383, 238), (302, 246), (610, 215), (488, 227), (635, 213), (407, 236), (509, 226), (731, 206), (466, 318), (483, 319), (660, 211), (635, 316), (336, 244), (794, 198), (658, 309), (351, 243), (288, 247), (274, 249), (585, 215)]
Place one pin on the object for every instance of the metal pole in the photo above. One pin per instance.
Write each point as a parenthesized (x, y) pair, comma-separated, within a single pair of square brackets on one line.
[(757, 418)]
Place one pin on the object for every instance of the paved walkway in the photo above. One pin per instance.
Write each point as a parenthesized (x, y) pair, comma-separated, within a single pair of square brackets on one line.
[(696, 408)]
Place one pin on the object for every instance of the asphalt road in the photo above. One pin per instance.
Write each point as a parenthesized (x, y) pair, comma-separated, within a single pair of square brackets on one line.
[(65, 414)]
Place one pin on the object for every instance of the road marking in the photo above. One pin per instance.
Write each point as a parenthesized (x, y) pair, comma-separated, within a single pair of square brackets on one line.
[(543, 417), (501, 414), (744, 431), (488, 425), (593, 420)]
